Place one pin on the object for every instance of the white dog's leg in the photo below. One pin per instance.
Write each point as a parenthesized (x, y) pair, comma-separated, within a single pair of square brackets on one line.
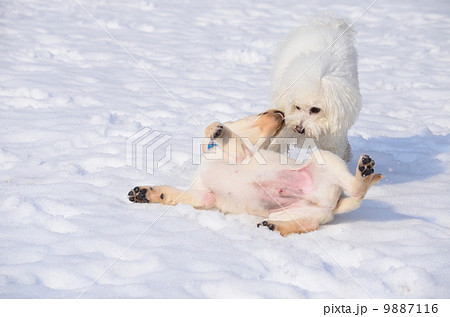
[(358, 185), (169, 195), (299, 225), (338, 145)]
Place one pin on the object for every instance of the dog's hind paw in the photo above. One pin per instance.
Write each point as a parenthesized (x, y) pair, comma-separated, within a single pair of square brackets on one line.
[(366, 165)]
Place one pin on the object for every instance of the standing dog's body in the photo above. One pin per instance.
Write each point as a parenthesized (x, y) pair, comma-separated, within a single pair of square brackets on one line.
[(315, 83), (293, 198)]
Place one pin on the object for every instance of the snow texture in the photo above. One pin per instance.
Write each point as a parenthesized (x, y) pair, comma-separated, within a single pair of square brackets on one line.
[(77, 81)]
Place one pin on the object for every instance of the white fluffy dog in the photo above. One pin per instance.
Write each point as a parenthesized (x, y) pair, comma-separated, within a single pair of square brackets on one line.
[(315, 83)]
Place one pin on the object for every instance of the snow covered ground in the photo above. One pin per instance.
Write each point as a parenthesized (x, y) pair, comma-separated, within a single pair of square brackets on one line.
[(71, 96)]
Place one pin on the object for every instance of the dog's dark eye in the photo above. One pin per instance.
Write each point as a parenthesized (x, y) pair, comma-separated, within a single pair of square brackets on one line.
[(314, 110), (161, 196), (297, 107)]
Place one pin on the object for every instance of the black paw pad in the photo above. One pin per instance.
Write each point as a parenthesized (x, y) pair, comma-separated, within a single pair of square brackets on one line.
[(366, 159), (141, 196), (218, 132), (368, 171), (266, 224), (366, 165), (138, 195)]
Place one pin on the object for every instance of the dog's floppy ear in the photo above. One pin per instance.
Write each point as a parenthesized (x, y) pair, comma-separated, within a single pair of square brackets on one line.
[(342, 103)]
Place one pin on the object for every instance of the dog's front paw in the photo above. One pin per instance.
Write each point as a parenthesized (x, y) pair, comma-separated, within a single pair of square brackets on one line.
[(138, 195), (214, 130), (365, 165), (148, 194)]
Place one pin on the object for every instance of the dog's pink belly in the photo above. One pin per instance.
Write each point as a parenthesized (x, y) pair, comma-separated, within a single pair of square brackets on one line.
[(287, 187)]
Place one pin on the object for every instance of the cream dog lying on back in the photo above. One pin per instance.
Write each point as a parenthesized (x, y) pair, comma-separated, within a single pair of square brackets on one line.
[(292, 198)]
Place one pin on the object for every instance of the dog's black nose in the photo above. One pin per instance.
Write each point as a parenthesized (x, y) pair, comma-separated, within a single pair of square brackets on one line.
[(299, 129)]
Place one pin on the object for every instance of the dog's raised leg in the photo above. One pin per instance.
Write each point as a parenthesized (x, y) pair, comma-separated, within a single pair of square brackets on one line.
[(169, 195), (358, 186), (230, 143)]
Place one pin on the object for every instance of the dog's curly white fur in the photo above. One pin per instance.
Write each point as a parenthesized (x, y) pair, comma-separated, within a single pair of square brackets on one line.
[(315, 83)]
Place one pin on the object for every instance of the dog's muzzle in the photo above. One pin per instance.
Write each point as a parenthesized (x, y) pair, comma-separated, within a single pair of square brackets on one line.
[(300, 129)]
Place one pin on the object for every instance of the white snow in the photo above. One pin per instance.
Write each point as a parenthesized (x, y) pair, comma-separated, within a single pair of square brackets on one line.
[(71, 96)]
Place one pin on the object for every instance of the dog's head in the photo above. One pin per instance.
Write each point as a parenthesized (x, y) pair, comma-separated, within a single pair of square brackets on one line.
[(263, 125), (316, 107), (307, 118)]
